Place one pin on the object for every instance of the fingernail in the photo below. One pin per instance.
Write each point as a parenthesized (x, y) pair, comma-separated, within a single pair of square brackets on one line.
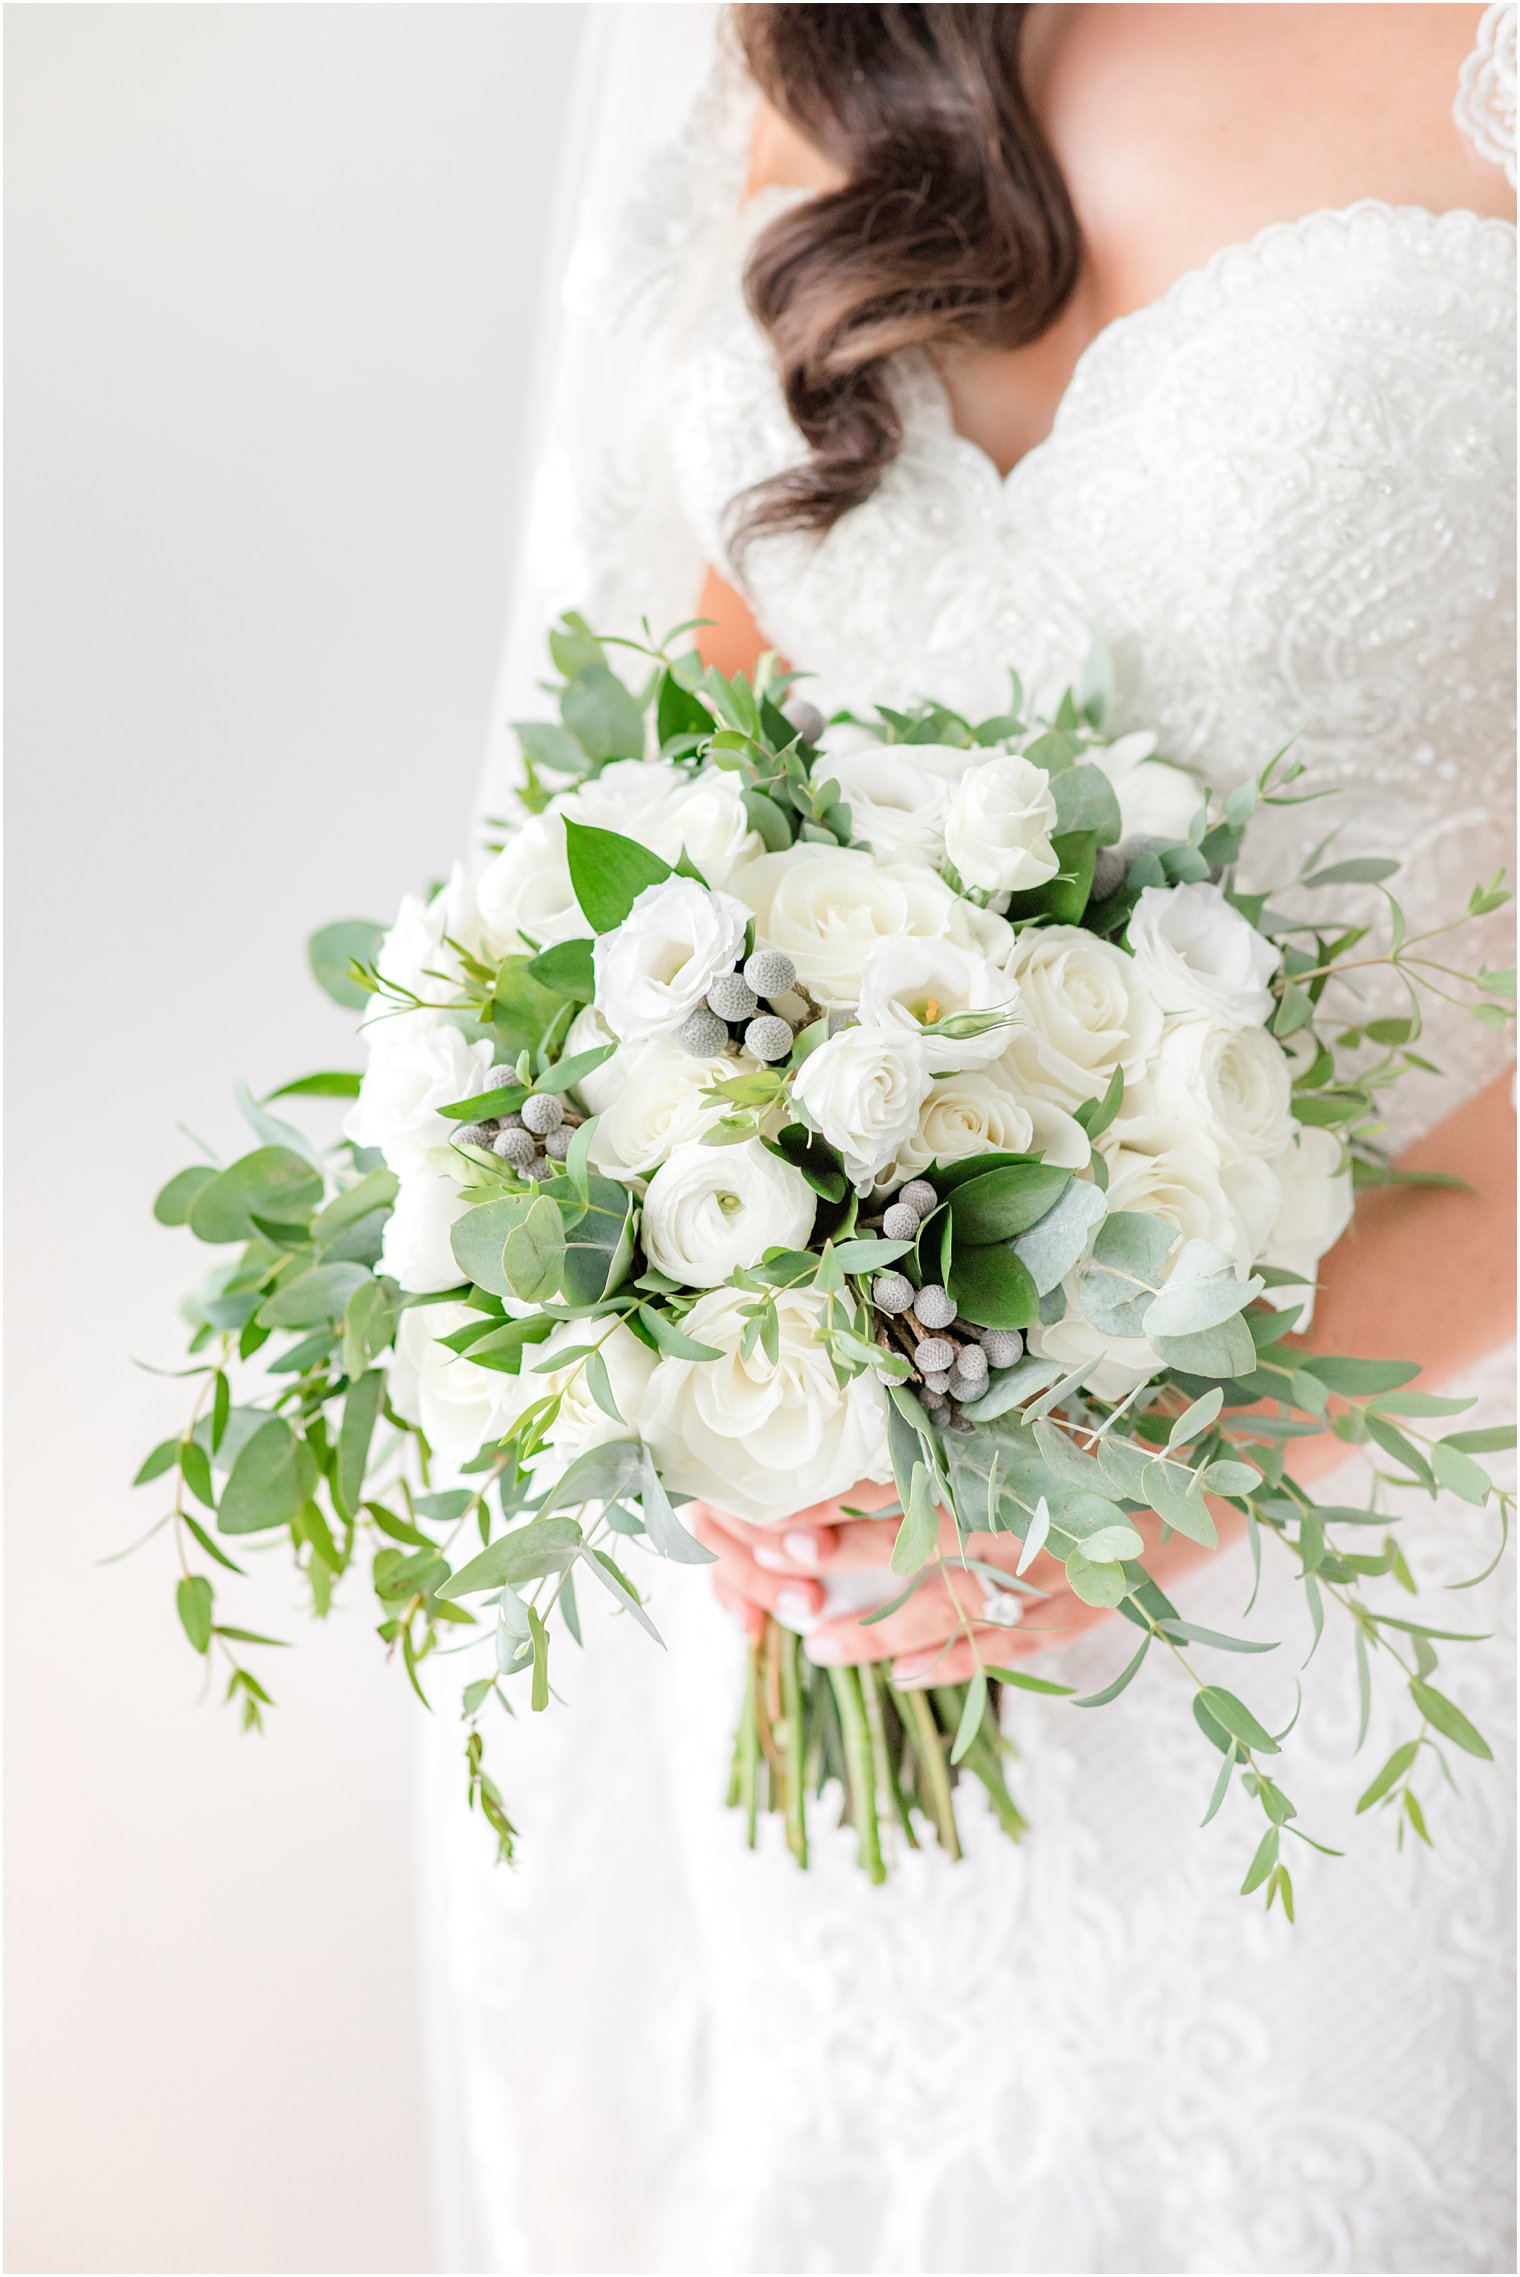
[(797, 1602), (802, 1549), (772, 1560), (823, 1649)]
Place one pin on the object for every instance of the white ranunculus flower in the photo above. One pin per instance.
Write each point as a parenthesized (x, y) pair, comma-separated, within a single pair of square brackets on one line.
[(1156, 799), (459, 1406), (712, 1209), (979, 1112), (828, 907), (863, 1090), (1198, 955), (660, 962), (415, 1250), (897, 794), (764, 1438), (909, 983), (1314, 1211), (414, 1069), (998, 825), (656, 1105), (1088, 1012), (580, 1424), (1235, 1082)]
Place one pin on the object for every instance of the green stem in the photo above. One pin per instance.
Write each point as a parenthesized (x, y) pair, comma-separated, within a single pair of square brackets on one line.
[(929, 1745), (796, 1777), (860, 1768), (747, 1755), (871, 1681)]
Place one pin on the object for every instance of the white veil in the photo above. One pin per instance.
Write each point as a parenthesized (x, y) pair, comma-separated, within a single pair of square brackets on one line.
[(650, 173)]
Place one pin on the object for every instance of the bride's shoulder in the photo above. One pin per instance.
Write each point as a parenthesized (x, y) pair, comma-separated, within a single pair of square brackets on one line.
[(1183, 128)]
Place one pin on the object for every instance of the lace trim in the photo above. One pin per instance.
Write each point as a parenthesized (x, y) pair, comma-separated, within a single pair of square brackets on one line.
[(1485, 106)]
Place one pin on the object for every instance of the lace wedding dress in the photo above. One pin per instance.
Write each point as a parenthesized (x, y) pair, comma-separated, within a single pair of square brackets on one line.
[(1284, 496)]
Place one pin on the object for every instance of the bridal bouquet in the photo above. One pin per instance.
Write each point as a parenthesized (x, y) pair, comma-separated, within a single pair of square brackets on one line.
[(788, 1105)]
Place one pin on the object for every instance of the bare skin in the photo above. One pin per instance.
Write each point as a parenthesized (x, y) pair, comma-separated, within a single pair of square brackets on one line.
[(1182, 129)]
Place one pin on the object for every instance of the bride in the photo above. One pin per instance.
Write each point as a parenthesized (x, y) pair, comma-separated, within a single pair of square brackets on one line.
[(943, 339)]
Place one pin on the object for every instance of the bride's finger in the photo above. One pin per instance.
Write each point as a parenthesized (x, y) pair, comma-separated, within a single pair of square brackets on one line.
[(792, 1595), (928, 1618), (985, 1648)]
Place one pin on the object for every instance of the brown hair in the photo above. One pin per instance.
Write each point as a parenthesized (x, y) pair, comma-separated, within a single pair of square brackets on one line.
[(954, 224)]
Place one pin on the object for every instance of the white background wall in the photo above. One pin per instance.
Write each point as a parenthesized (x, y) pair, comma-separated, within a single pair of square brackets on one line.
[(272, 272)]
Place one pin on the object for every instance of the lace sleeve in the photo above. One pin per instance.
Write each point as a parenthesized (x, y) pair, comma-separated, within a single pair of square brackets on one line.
[(1485, 105)]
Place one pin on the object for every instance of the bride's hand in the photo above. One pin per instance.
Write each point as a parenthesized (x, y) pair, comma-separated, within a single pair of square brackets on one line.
[(782, 1569)]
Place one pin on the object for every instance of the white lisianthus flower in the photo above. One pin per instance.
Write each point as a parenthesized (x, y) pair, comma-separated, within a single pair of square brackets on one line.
[(525, 894), (656, 1105), (909, 984), (580, 1424), (415, 1250), (459, 1406), (897, 794), (1088, 1012), (415, 954), (828, 907), (660, 962), (1156, 799), (1235, 1082), (1198, 955), (758, 1437), (413, 1071), (588, 1032), (979, 1112), (711, 1210), (1314, 1211), (998, 825), (863, 1090)]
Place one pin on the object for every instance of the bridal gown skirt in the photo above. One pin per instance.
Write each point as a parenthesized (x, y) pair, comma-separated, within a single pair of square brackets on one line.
[(654, 2050)]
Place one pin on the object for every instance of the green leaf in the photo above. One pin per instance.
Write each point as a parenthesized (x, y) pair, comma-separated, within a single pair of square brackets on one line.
[(163, 1458), (353, 940), (1189, 1308), (609, 872), (1459, 1473), (601, 714), (1085, 800), (1095, 1583), (992, 1287), (320, 1295), (1126, 1676), (972, 1712), (1224, 1352), (1058, 1240), (1195, 1420), (1363, 869), (1022, 1681), (331, 1083), (1128, 1253), (544, 1545), (360, 1409), (919, 1531), (1448, 1720), (664, 1528), (1393, 1770), (1491, 1441), (550, 746), (599, 1245), (368, 1325), (271, 1478), (534, 1254), (1234, 1717), (1357, 1378), (1176, 1495), (1003, 1203), (565, 970), (171, 1204), (271, 1183), (479, 1239), (1263, 1862), (193, 1597)]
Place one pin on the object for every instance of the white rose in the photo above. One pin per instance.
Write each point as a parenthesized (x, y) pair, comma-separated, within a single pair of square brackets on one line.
[(910, 983), (979, 1112), (660, 962), (758, 1437), (712, 1209), (460, 1407), (580, 1424), (863, 1089), (1114, 1364), (828, 907), (706, 817), (656, 1105), (1314, 1211), (897, 794), (525, 893), (1236, 1082), (414, 1069), (998, 825), (1165, 1167), (1156, 799), (1088, 1012), (415, 1250), (1197, 954)]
